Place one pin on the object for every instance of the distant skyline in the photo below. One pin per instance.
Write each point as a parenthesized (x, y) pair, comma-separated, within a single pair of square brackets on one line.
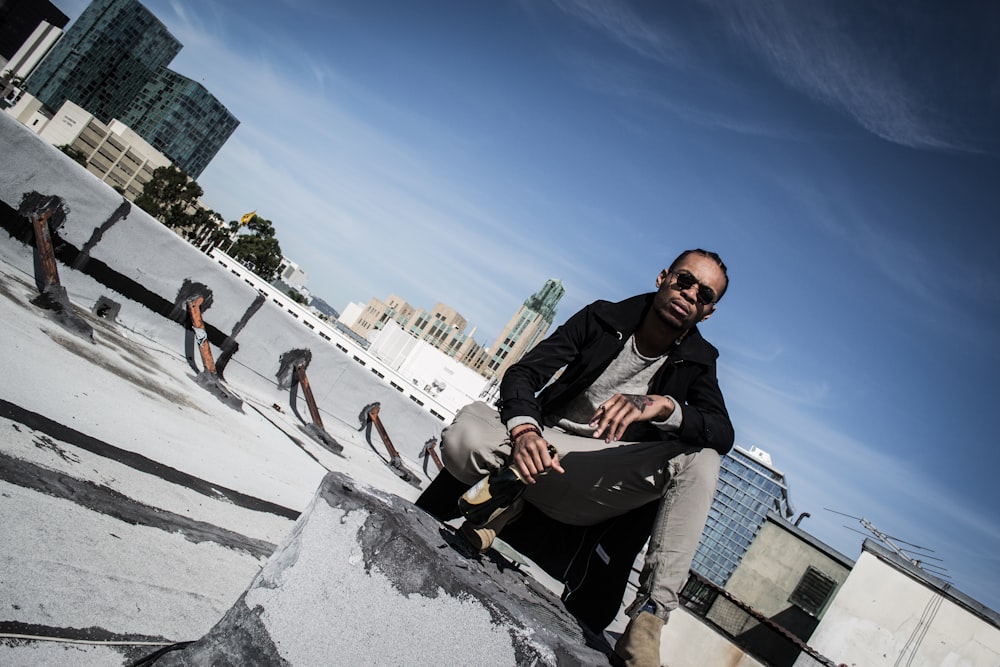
[(842, 157)]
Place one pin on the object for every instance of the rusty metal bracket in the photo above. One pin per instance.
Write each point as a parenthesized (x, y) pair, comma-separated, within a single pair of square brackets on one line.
[(429, 451), (200, 336), (316, 429), (53, 295), (43, 243), (370, 415), (300, 373), (209, 377)]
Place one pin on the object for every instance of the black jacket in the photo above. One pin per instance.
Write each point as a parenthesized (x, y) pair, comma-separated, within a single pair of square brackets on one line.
[(587, 343)]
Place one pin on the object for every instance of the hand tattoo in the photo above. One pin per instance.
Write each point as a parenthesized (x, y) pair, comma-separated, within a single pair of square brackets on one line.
[(639, 401)]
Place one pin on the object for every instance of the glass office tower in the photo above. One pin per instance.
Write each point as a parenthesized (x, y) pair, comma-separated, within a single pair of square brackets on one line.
[(181, 119), (105, 58), (748, 487)]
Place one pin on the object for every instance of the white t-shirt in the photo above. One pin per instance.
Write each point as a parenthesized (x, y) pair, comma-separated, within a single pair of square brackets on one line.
[(629, 373)]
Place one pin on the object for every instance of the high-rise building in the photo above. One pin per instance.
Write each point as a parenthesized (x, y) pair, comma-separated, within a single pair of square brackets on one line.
[(105, 59), (19, 19), (748, 487), (435, 325), (180, 118), (441, 327), (528, 326), (113, 62), (26, 59)]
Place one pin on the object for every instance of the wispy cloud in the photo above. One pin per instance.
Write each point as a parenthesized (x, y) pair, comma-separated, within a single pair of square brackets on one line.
[(652, 94), (918, 276), (786, 391), (819, 49), (675, 73), (809, 48), (623, 25)]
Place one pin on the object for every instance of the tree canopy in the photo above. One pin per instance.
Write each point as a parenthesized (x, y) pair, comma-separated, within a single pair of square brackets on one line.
[(258, 249), (171, 197), (77, 156)]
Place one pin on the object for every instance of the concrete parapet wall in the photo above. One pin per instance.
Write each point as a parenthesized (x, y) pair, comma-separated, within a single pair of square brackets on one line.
[(918, 624), (687, 641)]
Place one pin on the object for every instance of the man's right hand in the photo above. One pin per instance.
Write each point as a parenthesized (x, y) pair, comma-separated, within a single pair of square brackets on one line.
[(531, 456)]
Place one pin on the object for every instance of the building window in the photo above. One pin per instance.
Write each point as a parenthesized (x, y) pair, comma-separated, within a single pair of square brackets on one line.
[(813, 591)]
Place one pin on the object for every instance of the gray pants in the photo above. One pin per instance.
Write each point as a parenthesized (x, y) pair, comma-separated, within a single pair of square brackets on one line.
[(604, 481)]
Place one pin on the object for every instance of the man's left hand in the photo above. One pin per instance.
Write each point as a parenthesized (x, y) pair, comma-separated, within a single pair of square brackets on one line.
[(615, 415)]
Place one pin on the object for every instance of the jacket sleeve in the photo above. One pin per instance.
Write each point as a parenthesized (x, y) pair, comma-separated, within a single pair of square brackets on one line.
[(523, 380), (705, 419)]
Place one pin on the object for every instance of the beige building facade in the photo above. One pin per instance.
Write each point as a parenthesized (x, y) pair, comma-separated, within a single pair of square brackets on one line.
[(377, 312), (443, 328), (114, 153)]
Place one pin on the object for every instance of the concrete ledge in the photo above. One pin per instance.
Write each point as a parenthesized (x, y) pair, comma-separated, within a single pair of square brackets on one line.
[(366, 578)]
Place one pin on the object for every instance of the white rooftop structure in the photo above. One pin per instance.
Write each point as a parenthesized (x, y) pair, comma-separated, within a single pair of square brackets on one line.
[(36, 47), (759, 454)]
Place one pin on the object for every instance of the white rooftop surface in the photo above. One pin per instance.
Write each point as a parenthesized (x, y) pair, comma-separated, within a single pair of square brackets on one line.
[(65, 566)]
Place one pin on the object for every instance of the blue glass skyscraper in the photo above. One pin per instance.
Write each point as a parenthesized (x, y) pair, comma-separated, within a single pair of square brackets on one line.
[(181, 119), (112, 62), (105, 58), (748, 487)]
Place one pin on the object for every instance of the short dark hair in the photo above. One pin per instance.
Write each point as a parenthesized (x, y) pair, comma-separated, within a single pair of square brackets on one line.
[(712, 256)]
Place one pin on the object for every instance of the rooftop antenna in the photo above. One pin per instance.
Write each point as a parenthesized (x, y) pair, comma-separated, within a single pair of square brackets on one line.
[(914, 554)]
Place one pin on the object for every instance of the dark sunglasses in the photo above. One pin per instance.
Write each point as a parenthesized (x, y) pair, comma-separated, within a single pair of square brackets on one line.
[(685, 280)]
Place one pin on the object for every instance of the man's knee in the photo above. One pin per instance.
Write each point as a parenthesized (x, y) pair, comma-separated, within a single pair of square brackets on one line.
[(706, 461), (468, 445), (700, 470), (454, 454)]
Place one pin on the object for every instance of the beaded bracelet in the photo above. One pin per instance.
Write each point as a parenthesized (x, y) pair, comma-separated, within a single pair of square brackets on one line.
[(530, 428)]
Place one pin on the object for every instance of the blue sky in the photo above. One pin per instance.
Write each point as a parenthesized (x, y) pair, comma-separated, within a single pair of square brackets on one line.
[(842, 157)]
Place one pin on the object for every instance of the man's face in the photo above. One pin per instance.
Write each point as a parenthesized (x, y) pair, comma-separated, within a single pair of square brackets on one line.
[(677, 300)]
